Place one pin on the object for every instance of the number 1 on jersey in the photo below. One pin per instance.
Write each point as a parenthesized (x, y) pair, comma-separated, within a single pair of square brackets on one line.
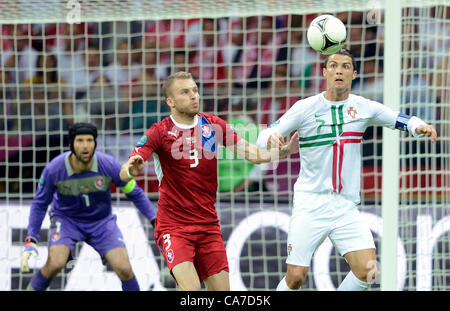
[(86, 199)]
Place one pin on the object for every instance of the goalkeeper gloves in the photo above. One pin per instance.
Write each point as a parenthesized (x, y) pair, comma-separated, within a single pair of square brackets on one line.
[(30, 250)]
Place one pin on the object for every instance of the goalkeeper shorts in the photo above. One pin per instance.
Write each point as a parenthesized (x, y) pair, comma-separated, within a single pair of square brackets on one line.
[(315, 217), (103, 235), (200, 244)]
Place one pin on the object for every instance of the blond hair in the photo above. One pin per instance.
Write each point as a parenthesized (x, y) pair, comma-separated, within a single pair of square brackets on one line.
[(170, 79)]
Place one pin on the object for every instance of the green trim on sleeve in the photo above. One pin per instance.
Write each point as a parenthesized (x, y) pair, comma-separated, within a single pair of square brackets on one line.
[(129, 186)]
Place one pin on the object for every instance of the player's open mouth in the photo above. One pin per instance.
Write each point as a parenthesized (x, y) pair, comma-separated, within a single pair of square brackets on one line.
[(339, 80)]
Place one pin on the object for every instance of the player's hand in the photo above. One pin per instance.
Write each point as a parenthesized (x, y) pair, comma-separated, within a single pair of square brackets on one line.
[(275, 141), (135, 165), (428, 130), (30, 250), (293, 145)]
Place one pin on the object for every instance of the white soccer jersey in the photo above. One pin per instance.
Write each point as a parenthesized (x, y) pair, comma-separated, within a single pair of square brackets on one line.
[(330, 136)]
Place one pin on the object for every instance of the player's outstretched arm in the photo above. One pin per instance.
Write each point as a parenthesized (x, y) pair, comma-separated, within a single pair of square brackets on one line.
[(256, 155), (427, 130), (44, 196), (415, 126), (132, 168)]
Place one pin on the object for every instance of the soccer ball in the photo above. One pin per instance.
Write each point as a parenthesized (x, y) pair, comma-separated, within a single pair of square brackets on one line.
[(326, 34)]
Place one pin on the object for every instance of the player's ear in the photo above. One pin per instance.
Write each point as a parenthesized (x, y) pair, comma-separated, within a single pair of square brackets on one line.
[(169, 102), (355, 73)]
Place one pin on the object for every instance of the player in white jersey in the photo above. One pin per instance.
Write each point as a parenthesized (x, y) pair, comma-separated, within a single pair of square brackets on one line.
[(327, 191)]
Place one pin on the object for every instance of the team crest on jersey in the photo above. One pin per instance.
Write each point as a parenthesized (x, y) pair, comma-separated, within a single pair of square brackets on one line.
[(208, 135), (56, 236), (170, 255), (352, 112), (99, 183), (206, 130)]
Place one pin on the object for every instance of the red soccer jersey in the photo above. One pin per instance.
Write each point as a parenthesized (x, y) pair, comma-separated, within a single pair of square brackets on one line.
[(186, 164)]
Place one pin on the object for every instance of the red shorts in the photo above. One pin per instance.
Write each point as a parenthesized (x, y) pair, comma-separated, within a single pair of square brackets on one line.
[(200, 244)]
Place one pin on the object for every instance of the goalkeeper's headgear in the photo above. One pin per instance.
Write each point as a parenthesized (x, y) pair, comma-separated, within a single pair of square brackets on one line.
[(82, 129)]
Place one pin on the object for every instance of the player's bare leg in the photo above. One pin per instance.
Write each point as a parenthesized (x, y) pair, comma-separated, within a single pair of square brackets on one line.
[(295, 277), (219, 281), (186, 276), (363, 269), (56, 260), (120, 262), (362, 263)]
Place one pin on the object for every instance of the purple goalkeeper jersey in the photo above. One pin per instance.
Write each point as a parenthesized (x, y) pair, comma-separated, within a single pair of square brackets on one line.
[(84, 197)]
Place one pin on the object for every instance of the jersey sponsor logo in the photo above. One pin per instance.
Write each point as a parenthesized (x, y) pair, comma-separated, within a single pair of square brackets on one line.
[(142, 141), (175, 133), (352, 112), (99, 183)]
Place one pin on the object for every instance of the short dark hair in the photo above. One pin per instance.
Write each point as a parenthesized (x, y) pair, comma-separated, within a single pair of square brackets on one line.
[(82, 128), (342, 52)]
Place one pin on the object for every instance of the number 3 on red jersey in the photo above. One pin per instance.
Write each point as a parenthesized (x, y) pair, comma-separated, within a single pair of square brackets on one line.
[(194, 156)]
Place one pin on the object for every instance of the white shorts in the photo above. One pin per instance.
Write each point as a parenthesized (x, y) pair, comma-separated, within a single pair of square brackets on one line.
[(316, 216)]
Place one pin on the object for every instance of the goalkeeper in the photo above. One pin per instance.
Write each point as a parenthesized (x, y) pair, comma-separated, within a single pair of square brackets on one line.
[(78, 182), (331, 126)]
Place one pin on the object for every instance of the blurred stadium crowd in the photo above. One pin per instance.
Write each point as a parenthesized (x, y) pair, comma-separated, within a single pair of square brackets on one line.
[(51, 71), (254, 68)]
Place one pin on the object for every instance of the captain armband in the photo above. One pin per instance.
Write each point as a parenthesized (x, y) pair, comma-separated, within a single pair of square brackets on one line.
[(402, 122), (129, 186)]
